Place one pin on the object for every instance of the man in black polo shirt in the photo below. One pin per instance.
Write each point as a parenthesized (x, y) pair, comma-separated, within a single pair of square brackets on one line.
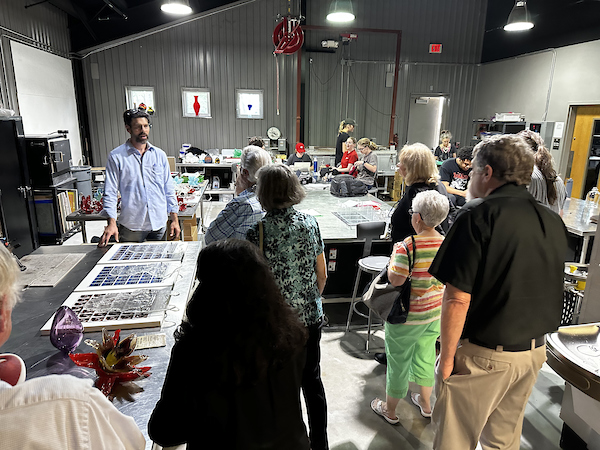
[(502, 263), (454, 174)]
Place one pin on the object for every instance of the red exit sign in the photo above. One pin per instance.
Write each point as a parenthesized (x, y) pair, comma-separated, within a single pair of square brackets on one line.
[(435, 48)]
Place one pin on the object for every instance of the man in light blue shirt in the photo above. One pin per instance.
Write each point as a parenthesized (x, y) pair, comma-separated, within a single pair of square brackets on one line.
[(140, 172), (244, 210)]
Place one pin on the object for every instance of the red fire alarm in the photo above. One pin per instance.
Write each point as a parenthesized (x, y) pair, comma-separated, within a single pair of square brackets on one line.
[(435, 48)]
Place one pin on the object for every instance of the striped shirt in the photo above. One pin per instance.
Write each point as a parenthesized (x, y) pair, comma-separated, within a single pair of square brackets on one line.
[(539, 189), (426, 291)]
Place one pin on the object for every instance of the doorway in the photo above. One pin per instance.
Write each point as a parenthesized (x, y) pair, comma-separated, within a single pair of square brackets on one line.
[(585, 148), (425, 117)]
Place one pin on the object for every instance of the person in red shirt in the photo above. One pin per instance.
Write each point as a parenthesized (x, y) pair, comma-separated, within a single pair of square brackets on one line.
[(349, 158)]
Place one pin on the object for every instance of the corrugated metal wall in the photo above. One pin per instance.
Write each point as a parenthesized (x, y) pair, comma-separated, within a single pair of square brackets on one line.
[(233, 49), (42, 26), (360, 93), (223, 52)]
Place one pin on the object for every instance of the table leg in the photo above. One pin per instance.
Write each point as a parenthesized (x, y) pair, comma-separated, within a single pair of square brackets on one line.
[(584, 249), (83, 232), (202, 213)]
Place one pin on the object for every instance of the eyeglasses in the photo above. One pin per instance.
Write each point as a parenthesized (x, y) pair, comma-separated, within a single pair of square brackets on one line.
[(411, 212)]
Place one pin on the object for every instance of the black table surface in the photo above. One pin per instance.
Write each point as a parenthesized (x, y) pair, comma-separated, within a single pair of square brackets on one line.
[(135, 399)]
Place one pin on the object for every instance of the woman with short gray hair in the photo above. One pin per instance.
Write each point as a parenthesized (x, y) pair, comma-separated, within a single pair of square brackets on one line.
[(410, 346), (291, 242)]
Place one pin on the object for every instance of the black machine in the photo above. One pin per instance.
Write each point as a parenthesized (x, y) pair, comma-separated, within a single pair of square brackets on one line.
[(54, 193), (17, 213)]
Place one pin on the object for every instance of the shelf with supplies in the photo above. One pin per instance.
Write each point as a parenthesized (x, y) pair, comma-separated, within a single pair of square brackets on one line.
[(219, 176), (489, 127)]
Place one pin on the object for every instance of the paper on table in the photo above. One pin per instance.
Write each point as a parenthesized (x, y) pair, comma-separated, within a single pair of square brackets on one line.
[(311, 212)]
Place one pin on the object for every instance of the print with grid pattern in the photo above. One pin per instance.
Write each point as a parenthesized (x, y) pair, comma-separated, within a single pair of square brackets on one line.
[(146, 252), (125, 276), (113, 306)]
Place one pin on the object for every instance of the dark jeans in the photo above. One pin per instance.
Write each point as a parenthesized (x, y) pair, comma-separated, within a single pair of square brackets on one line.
[(314, 393), (127, 235)]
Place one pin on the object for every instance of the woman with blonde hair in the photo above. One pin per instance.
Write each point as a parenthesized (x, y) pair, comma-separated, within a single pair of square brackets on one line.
[(346, 126), (367, 165), (418, 167), (444, 151)]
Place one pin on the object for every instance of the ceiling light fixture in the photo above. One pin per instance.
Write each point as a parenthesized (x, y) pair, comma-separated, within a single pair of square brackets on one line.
[(341, 11), (179, 7), (519, 18)]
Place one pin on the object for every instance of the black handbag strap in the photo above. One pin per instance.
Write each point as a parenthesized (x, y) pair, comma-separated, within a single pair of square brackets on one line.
[(411, 261)]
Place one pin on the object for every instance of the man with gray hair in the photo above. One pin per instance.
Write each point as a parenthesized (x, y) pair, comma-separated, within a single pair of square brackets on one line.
[(244, 210), (502, 263), (55, 411)]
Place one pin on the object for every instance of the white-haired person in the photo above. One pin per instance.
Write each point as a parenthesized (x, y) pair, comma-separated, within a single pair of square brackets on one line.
[(444, 151), (55, 411), (244, 209), (410, 346)]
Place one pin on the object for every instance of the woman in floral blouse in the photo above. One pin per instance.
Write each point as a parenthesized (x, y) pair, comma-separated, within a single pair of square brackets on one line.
[(291, 242)]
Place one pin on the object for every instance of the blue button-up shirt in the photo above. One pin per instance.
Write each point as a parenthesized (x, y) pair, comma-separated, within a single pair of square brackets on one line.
[(146, 187)]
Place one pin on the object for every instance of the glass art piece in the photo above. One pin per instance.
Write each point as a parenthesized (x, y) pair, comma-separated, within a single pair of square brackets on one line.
[(66, 331), (113, 361)]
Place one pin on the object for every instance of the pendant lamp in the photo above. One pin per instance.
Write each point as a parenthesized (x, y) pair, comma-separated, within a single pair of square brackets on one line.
[(179, 7), (341, 11), (519, 18)]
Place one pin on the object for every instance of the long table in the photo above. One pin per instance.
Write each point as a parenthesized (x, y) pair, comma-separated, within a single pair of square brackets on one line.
[(329, 208), (41, 358)]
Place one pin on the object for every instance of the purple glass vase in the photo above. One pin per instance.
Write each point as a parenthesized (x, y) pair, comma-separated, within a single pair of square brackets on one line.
[(67, 331)]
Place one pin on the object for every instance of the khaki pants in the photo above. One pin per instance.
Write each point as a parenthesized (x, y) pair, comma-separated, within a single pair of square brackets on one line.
[(485, 397)]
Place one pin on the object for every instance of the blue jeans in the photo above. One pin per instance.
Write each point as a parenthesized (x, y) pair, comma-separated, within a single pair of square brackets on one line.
[(127, 235)]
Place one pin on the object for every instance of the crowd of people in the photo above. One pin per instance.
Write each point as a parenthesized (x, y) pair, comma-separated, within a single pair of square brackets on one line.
[(485, 260)]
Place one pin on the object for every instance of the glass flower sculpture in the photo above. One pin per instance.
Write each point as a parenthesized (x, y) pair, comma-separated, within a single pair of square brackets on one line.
[(113, 361)]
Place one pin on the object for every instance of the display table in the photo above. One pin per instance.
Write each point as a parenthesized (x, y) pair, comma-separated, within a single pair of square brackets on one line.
[(336, 220), (577, 221), (574, 353), (41, 358), (328, 209)]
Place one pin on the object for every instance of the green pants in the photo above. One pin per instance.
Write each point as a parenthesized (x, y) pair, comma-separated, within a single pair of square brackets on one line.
[(411, 356)]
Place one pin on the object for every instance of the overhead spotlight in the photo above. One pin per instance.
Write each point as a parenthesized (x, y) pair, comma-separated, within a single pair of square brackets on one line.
[(341, 11), (179, 7), (519, 18)]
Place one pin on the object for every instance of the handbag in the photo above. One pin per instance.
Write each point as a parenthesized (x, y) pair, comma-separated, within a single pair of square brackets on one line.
[(390, 302)]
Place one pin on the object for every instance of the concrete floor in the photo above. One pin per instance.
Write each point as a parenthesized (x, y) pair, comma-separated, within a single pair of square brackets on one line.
[(352, 379)]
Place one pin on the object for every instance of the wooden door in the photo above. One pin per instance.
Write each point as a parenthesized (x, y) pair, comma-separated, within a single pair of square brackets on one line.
[(582, 136)]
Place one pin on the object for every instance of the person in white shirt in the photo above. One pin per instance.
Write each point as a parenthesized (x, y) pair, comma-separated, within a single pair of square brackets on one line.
[(55, 411)]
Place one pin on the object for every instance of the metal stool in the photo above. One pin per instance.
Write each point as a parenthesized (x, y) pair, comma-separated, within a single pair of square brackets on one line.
[(369, 264)]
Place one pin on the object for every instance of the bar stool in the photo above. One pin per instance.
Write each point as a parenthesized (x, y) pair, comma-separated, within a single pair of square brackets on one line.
[(369, 264)]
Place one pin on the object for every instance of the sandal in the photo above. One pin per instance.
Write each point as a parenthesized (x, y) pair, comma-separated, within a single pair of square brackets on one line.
[(415, 399), (377, 407)]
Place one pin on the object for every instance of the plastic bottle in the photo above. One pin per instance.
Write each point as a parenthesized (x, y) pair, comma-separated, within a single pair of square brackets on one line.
[(183, 150), (315, 165), (569, 187), (593, 199)]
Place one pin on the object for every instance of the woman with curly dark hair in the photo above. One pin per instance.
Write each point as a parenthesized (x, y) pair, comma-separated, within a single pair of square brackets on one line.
[(249, 393), (546, 186)]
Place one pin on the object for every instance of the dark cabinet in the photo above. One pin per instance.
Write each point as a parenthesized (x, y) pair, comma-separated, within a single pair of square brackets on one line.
[(17, 213)]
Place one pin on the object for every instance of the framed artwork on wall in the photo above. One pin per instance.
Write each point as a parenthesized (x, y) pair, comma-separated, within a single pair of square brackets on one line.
[(136, 95), (196, 102), (249, 103)]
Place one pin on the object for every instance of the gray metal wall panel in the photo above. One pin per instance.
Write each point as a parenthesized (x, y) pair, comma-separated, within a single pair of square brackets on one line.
[(233, 49)]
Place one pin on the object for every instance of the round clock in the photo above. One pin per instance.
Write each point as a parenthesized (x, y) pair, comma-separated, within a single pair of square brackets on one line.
[(273, 133)]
